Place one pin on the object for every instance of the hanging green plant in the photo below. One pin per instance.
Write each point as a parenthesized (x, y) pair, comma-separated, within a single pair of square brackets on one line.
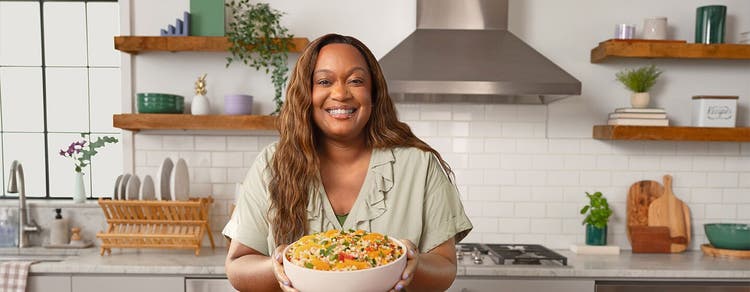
[(260, 41)]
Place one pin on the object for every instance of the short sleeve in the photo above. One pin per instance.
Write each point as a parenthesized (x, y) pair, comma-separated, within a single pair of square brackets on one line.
[(444, 215), (249, 221)]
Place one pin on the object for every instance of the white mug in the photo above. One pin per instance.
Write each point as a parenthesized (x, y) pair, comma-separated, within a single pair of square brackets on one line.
[(655, 28)]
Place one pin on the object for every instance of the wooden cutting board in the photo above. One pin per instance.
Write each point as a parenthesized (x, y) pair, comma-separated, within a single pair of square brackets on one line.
[(641, 237), (671, 212)]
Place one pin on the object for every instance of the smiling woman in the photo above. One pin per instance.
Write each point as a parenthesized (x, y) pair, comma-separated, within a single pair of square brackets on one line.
[(344, 161)]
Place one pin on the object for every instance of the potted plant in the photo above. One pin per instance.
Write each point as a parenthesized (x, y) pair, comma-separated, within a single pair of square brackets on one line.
[(639, 81), (597, 214), (258, 39)]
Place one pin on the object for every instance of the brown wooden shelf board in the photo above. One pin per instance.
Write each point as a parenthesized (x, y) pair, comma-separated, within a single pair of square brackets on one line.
[(137, 44), (605, 132), (667, 49), (137, 122)]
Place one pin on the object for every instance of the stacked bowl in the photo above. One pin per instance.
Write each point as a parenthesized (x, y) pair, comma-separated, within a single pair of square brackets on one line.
[(745, 37), (160, 103), (728, 235), (238, 104)]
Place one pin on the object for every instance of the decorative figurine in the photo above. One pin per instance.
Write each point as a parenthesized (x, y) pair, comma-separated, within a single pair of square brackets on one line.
[(200, 105)]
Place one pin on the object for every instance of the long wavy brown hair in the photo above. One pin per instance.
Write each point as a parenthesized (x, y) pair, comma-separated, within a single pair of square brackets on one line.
[(295, 165)]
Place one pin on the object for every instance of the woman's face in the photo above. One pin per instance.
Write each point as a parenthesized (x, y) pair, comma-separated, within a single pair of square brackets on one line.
[(341, 92)]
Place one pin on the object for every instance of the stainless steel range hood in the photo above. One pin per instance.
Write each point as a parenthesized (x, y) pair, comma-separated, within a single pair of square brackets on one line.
[(463, 52)]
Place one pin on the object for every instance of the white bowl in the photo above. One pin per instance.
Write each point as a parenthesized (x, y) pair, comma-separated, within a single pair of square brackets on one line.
[(377, 279)]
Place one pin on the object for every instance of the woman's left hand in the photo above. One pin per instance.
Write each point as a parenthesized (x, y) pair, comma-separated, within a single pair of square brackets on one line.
[(412, 260)]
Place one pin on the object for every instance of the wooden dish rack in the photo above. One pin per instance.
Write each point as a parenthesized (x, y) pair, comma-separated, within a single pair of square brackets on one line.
[(155, 224)]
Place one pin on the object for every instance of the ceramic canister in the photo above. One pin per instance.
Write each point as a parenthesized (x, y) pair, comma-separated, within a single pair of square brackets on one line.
[(238, 104)]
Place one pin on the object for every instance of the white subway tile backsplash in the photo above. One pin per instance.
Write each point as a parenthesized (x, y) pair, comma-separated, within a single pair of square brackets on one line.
[(201, 190), (242, 143), (226, 159), (515, 194), (596, 178), (474, 208), (211, 143), (691, 148), (484, 193), (496, 237), (176, 142), (531, 113), (745, 148), (736, 196), (546, 194), (626, 147), (196, 159), (155, 158), (660, 147), (441, 144), (549, 162), (737, 163), (484, 161), (563, 178), (435, 112), (497, 209), (468, 112), (484, 224), (723, 148), (218, 175), (500, 145), (519, 130), (703, 195), (721, 211), (501, 112), (582, 162), (499, 177), (424, 129), (236, 175), (514, 225), (148, 142), (456, 161), (530, 178), (573, 226), (248, 158), (453, 129), (743, 212), (563, 210), (625, 178), (516, 161), (225, 191), (545, 226), (531, 210), (643, 163), (688, 179), (608, 162), (565, 146), (745, 179), (485, 129), (264, 141), (708, 163), (531, 146), (676, 163), (469, 176), (200, 175), (722, 179), (539, 130), (407, 112), (697, 211), (591, 146), (467, 145), (526, 238)]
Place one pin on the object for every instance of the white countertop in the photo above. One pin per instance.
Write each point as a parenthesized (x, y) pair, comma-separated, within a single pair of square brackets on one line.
[(687, 265)]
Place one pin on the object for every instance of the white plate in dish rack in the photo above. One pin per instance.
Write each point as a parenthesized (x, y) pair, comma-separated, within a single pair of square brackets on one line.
[(161, 182), (180, 181), (123, 185), (116, 194), (134, 185), (147, 189)]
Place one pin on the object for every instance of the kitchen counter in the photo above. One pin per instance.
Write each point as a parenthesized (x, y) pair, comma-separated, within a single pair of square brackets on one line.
[(687, 265)]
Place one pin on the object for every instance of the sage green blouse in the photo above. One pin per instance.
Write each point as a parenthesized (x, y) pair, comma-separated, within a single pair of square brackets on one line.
[(406, 194)]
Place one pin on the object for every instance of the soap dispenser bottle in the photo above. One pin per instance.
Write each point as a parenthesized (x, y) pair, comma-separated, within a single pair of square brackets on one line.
[(59, 230)]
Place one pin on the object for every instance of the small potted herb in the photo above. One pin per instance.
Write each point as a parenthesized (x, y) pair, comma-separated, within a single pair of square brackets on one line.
[(639, 81), (597, 215)]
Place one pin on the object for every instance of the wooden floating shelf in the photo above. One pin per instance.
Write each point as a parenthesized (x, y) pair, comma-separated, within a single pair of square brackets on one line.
[(137, 44), (137, 122), (667, 49), (606, 132)]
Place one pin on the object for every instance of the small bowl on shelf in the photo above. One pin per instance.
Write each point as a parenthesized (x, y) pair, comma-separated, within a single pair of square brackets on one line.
[(238, 104), (728, 235), (160, 103)]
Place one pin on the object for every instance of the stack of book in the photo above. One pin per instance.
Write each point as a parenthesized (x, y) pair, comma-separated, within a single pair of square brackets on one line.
[(638, 117)]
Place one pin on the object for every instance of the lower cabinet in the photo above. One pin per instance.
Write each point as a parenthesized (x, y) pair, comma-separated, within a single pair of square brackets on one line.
[(42, 283), (92, 283), (208, 285), (480, 284)]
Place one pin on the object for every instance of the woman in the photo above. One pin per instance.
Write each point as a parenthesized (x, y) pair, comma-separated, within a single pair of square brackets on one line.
[(343, 160)]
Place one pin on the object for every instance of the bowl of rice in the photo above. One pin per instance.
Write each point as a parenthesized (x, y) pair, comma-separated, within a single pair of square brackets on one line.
[(351, 260)]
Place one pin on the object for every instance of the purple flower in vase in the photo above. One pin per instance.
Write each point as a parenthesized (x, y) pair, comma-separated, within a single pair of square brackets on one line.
[(82, 151)]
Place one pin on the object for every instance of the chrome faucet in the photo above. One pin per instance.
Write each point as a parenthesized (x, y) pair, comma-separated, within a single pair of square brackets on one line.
[(25, 225)]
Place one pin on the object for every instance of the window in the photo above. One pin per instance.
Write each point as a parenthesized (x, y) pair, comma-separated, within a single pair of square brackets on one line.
[(59, 77)]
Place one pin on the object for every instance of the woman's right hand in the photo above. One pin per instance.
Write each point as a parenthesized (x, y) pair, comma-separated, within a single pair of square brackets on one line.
[(278, 269)]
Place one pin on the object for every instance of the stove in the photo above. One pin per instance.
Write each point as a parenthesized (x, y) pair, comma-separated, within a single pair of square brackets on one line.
[(508, 254)]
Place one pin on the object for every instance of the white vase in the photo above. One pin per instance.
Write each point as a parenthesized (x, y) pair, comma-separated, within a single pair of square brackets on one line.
[(200, 105), (79, 191), (640, 99)]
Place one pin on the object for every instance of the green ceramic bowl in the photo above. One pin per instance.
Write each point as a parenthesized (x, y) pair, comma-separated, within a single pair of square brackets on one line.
[(728, 235), (163, 103)]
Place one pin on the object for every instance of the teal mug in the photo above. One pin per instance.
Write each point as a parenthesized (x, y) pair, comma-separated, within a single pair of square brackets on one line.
[(710, 22)]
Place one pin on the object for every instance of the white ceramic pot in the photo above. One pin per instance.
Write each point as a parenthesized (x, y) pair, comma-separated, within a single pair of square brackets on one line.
[(640, 99), (200, 105)]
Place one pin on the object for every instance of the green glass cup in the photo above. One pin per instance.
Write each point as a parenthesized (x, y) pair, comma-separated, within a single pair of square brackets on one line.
[(710, 23)]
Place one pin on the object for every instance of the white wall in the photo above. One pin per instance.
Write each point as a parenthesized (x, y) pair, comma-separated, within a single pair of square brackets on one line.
[(522, 170)]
